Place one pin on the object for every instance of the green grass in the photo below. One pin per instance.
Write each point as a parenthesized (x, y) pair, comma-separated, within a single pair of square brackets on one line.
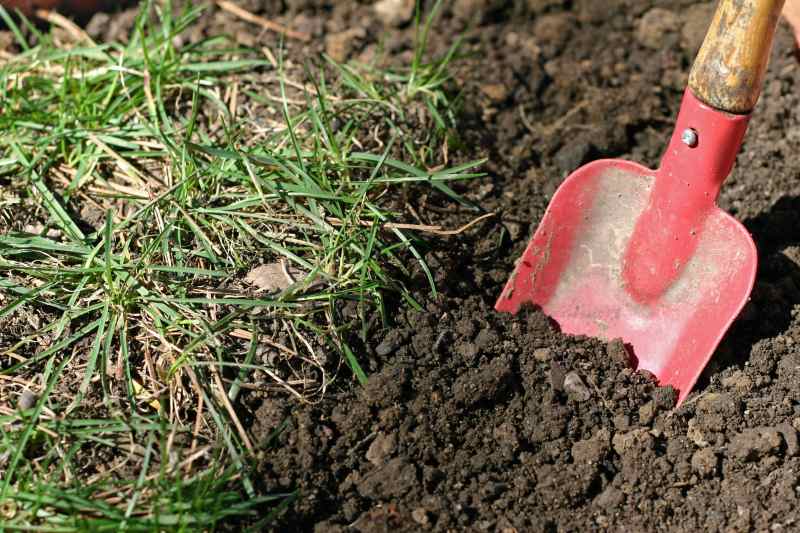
[(141, 182)]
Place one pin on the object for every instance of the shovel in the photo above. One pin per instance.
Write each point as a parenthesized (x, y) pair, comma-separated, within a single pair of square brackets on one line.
[(646, 255)]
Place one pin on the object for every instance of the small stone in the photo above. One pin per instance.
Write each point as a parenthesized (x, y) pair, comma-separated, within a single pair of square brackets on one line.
[(572, 155), (622, 422), (390, 343), (497, 92), (796, 423), (617, 351), (575, 388), (611, 498), (394, 12), (272, 277), (647, 412), (719, 403), (705, 462), (391, 480), (592, 450), (637, 439), (27, 400), (592, 11), (753, 444), (695, 434), (655, 25), (542, 354), (420, 516), (98, 25), (738, 380), (553, 30), (381, 448), (339, 46)]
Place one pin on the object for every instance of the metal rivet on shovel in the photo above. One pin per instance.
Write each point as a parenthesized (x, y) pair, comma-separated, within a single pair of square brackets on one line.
[(689, 137), (645, 255)]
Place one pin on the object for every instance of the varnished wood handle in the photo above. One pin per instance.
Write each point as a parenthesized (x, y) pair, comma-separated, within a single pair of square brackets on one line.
[(729, 69)]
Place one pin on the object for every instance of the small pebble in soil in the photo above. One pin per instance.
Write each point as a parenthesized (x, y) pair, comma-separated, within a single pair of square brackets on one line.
[(705, 462), (542, 354), (394, 12), (753, 444), (381, 448), (572, 155), (26, 400), (647, 412), (575, 388), (420, 516), (654, 27)]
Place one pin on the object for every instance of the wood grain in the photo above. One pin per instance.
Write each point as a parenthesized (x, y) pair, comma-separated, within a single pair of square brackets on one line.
[(729, 70)]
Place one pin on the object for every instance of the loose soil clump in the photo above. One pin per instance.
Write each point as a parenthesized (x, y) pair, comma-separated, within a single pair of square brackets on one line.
[(473, 420)]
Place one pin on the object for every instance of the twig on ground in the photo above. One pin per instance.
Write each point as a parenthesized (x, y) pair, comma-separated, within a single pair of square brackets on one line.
[(67, 25), (436, 230), (243, 14)]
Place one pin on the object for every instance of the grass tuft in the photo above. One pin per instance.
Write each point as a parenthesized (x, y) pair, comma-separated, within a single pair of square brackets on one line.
[(183, 222)]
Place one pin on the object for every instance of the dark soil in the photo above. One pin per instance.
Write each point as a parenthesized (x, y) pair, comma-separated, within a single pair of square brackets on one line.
[(474, 420)]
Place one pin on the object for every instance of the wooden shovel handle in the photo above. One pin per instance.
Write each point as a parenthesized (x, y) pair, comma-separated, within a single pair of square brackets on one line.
[(729, 69)]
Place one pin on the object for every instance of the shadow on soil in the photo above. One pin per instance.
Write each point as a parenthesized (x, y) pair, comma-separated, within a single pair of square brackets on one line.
[(776, 233)]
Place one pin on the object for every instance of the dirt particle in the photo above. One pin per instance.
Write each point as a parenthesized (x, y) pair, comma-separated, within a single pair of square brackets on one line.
[(506, 435), (420, 516), (382, 447), (552, 31), (542, 354), (790, 438), (611, 498), (622, 421), (647, 412), (738, 380), (572, 155), (483, 384), (718, 403), (340, 46), (655, 26), (394, 12), (391, 342), (705, 462), (634, 440), (557, 376), (469, 10), (497, 92), (394, 479), (485, 339), (696, 434), (27, 400), (387, 387), (592, 450), (753, 444), (617, 352), (575, 388)]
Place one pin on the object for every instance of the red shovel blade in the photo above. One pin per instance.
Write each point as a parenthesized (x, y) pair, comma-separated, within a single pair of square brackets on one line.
[(627, 252)]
